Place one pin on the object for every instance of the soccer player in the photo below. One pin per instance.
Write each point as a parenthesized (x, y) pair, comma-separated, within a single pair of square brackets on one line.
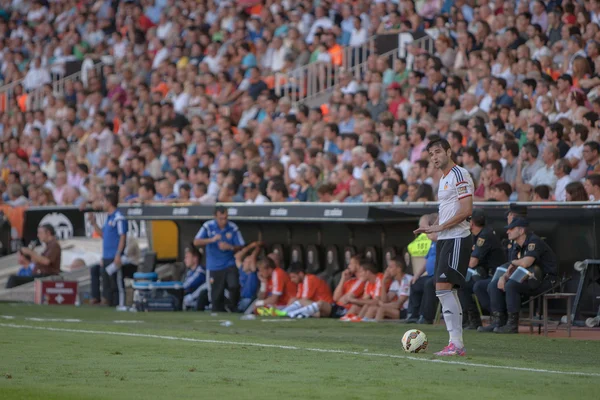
[(312, 290), (276, 288), (454, 244), (349, 287), (392, 303), (373, 281)]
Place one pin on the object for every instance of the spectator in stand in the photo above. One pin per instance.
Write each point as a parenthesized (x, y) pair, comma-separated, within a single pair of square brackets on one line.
[(219, 89)]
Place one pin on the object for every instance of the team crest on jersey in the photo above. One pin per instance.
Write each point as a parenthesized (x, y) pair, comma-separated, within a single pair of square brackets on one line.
[(480, 242), (228, 235), (462, 190), (531, 247), (446, 186)]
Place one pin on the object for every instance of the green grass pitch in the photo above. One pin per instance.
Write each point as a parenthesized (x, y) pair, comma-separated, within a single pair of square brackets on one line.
[(192, 356)]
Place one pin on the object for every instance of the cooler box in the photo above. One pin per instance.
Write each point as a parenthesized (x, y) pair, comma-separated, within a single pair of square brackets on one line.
[(53, 292), (158, 296), (145, 276)]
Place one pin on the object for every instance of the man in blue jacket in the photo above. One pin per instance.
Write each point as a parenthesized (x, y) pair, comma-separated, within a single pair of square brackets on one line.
[(222, 239)]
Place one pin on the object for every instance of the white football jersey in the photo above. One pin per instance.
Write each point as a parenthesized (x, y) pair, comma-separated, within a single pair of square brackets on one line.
[(456, 185), (401, 288)]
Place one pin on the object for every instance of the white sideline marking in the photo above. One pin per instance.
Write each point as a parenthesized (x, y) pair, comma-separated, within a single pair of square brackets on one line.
[(279, 320), (127, 321), (282, 347), (52, 320), (7, 316)]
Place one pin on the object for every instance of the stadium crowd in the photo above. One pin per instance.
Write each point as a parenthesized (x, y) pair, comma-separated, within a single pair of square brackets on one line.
[(184, 107)]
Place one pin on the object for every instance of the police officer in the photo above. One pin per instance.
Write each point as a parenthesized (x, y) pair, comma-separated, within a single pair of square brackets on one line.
[(222, 239), (514, 211), (486, 256), (527, 251)]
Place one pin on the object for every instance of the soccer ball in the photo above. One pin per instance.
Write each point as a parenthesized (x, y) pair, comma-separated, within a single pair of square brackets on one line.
[(414, 341)]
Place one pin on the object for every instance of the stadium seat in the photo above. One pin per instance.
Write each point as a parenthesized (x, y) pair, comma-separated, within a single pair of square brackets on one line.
[(349, 251), (371, 254), (296, 254), (388, 254), (333, 267), (278, 250), (313, 259)]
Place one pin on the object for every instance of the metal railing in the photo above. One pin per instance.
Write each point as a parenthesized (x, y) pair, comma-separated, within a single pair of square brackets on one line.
[(35, 98), (313, 80)]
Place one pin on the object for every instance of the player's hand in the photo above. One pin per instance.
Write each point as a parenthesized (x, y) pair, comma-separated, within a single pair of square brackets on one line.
[(216, 238), (346, 274), (501, 283), (413, 280), (225, 246), (118, 261), (430, 229)]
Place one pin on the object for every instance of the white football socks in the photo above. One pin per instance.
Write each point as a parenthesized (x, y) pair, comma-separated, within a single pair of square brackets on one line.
[(307, 311), (292, 307), (452, 311)]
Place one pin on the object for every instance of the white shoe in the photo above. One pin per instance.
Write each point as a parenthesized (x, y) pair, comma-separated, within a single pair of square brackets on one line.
[(122, 308)]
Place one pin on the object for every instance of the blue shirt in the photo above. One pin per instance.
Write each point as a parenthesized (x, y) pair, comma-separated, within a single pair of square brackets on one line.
[(249, 284), (27, 271), (194, 279), (113, 229), (217, 259), (430, 260)]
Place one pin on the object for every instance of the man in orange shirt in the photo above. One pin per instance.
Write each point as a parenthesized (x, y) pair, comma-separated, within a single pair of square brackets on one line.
[(349, 287), (371, 294), (276, 288), (312, 292)]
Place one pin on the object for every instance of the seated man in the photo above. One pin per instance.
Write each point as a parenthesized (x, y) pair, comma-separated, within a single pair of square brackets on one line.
[(312, 292), (487, 254), (350, 287), (527, 251), (373, 281), (246, 264), (45, 264), (195, 277), (393, 303), (276, 288)]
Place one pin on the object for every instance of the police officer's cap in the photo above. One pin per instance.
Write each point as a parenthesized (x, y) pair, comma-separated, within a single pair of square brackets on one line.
[(517, 209), (518, 222), (478, 217)]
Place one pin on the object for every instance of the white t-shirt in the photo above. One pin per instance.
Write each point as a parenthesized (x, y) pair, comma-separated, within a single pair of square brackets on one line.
[(401, 288), (577, 152), (456, 185)]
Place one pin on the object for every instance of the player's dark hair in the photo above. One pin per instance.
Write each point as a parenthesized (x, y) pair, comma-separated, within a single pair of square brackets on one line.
[(443, 143), (399, 261), (267, 262), (50, 229), (220, 210), (296, 268), (368, 265), (112, 198)]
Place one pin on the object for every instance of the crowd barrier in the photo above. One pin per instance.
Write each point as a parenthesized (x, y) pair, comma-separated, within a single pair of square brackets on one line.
[(571, 229)]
